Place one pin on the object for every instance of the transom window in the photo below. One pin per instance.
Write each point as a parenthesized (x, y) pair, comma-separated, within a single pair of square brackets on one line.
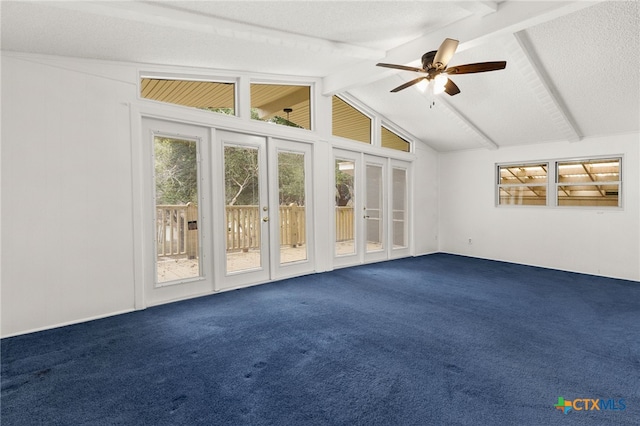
[(209, 95), (392, 140), (287, 105), (349, 122)]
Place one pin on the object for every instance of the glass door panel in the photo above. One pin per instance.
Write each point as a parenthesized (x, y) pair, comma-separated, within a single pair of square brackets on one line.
[(399, 207), (242, 208), (345, 171), (291, 206), (176, 204), (374, 209)]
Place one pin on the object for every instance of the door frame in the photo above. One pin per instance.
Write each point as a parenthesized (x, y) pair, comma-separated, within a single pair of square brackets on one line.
[(229, 280), (360, 255), (406, 250), (357, 256), (279, 270), (270, 269), (154, 293), (383, 254)]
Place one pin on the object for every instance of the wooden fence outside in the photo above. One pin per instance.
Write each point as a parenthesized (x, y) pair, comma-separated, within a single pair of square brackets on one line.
[(173, 234), (177, 228), (344, 224)]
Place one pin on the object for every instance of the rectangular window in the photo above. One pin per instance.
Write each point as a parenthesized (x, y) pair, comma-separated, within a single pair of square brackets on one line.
[(593, 183), (350, 123), (523, 184), (393, 141), (287, 105), (211, 96)]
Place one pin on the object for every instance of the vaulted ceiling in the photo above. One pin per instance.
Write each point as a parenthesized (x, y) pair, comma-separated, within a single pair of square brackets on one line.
[(573, 68)]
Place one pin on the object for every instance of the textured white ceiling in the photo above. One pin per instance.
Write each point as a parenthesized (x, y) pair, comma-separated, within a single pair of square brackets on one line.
[(573, 68), (375, 24), (593, 60), (52, 28), (501, 102)]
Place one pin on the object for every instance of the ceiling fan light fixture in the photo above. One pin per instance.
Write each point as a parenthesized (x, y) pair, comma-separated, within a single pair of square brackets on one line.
[(439, 84), (438, 89), (423, 85)]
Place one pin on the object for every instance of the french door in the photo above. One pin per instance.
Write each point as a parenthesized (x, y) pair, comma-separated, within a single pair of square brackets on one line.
[(399, 207), (371, 208), (374, 212), (222, 210), (265, 207), (291, 231), (244, 208)]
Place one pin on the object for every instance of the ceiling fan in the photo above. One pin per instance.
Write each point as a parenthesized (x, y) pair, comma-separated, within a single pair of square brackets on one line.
[(434, 65)]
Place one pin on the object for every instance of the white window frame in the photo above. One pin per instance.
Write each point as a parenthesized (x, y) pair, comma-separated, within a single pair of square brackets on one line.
[(374, 140), (289, 82), (499, 185), (195, 78), (398, 132), (553, 183), (617, 182)]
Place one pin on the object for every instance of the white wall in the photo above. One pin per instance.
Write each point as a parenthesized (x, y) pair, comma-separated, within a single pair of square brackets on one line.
[(425, 200), (72, 247), (589, 240), (66, 196)]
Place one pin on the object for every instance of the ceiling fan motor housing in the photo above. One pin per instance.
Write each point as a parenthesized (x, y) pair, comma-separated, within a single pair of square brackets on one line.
[(427, 60)]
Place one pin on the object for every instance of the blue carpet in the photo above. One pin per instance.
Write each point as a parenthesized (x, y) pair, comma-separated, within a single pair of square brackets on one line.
[(433, 340)]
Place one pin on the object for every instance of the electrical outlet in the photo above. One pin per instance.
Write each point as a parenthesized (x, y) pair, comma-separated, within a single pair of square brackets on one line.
[(470, 241)]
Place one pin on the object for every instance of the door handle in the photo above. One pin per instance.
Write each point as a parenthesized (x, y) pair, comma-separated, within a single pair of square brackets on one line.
[(366, 217), (265, 219)]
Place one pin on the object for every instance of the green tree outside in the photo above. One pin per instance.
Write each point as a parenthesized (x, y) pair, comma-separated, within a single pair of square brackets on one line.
[(176, 171), (176, 174)]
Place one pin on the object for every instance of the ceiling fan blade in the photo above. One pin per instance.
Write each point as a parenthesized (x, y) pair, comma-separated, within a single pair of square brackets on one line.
[(451, 88), (478, 67), (400, 67), (445, 53), (407, 84)]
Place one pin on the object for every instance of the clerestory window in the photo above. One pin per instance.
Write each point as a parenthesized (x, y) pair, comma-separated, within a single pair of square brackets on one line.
[(208, 95), (287, 105), (349, 122), (390, 139)]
